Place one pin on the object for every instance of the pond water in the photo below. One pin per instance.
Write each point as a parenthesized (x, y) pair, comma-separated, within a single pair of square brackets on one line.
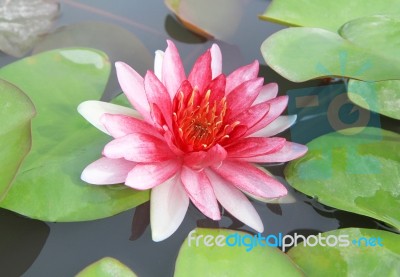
[(32, 248)]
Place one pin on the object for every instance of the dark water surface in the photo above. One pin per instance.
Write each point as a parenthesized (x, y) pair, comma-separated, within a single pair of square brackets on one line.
[(32, 248)]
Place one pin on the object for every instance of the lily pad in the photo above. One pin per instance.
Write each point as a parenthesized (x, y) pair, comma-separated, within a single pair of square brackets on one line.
[(355, 170), (48, 185), (326, 14), (198, 259), (106, 267), (23, 22), (360, 252), (301, 54), (16, 112), (380, 97)]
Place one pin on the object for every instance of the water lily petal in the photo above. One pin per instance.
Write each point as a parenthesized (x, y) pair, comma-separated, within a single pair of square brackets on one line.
[(200, 191), (148, 175), (138, 147), (248, 178), (249, 147), (268, 92), (168, 205), (242, 97), (121, 125), (216, 60), (173, 72), (132, 85), (158, 61), (201, 159), (240, 75), (106, 171), (92, 111), (277, 126), (235, 202), (288, 152), (217, 88), (200, 76)]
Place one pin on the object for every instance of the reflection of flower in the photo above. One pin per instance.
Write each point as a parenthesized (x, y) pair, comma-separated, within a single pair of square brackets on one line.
[(194, 138)]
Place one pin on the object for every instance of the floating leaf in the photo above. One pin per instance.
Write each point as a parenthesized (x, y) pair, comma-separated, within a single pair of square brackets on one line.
[(326, 14), (198, 259), (301, 54), (204, 17), (106, 267), (118, 43), (16, 112), (48, 185), (356, 170), (363, 256), (22, 22), (380, 97)]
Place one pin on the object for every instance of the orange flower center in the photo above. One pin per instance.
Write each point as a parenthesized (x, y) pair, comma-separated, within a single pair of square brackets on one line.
[(201, 126)]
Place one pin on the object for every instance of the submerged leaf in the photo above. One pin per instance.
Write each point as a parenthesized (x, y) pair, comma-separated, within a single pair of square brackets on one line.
[(22, 22)]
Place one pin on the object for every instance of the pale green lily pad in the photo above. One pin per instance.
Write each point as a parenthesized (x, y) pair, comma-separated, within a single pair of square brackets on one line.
[(363, 255), (356, 170), (106, 267), (201, 260), (48, 185), (380, 97), (326, 14), (301, 54), (16, 112)]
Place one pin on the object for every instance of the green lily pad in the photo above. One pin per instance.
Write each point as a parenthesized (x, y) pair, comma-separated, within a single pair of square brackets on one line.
[(380, 97), (198, 259), (355, 169), (48, 185), (106, 267), (16, 112), (301, 54), (359, 252), (326, 14)]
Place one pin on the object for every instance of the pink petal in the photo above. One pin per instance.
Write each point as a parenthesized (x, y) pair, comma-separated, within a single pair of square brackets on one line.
[(268, 92), (240, 75), (138, 147), (235, 202), (216, 60), (200, 76), (122, 125), (249, 147), (201, 159), (217, 88), (106, 171), (250, 179), (277, 126), (288, 152), (92, 111), (158, 62), (133, 87), (157, 94), (200, 191), (168, 205), (149, 175), (173, 72), (241, 97), (277, 106)]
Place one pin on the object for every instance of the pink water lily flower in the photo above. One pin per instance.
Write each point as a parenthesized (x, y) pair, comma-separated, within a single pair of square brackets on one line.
[(193, 137)]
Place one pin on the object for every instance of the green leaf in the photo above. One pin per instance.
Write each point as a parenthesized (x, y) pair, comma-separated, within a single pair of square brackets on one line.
[(380, 97), (355, 169), (359, 258), (48, 185), (16, 112), (106, 267), (201, 260), (301, 54), (326, 14)]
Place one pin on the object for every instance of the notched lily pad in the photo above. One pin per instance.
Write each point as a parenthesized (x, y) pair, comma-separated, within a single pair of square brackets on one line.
[(106, 267)]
